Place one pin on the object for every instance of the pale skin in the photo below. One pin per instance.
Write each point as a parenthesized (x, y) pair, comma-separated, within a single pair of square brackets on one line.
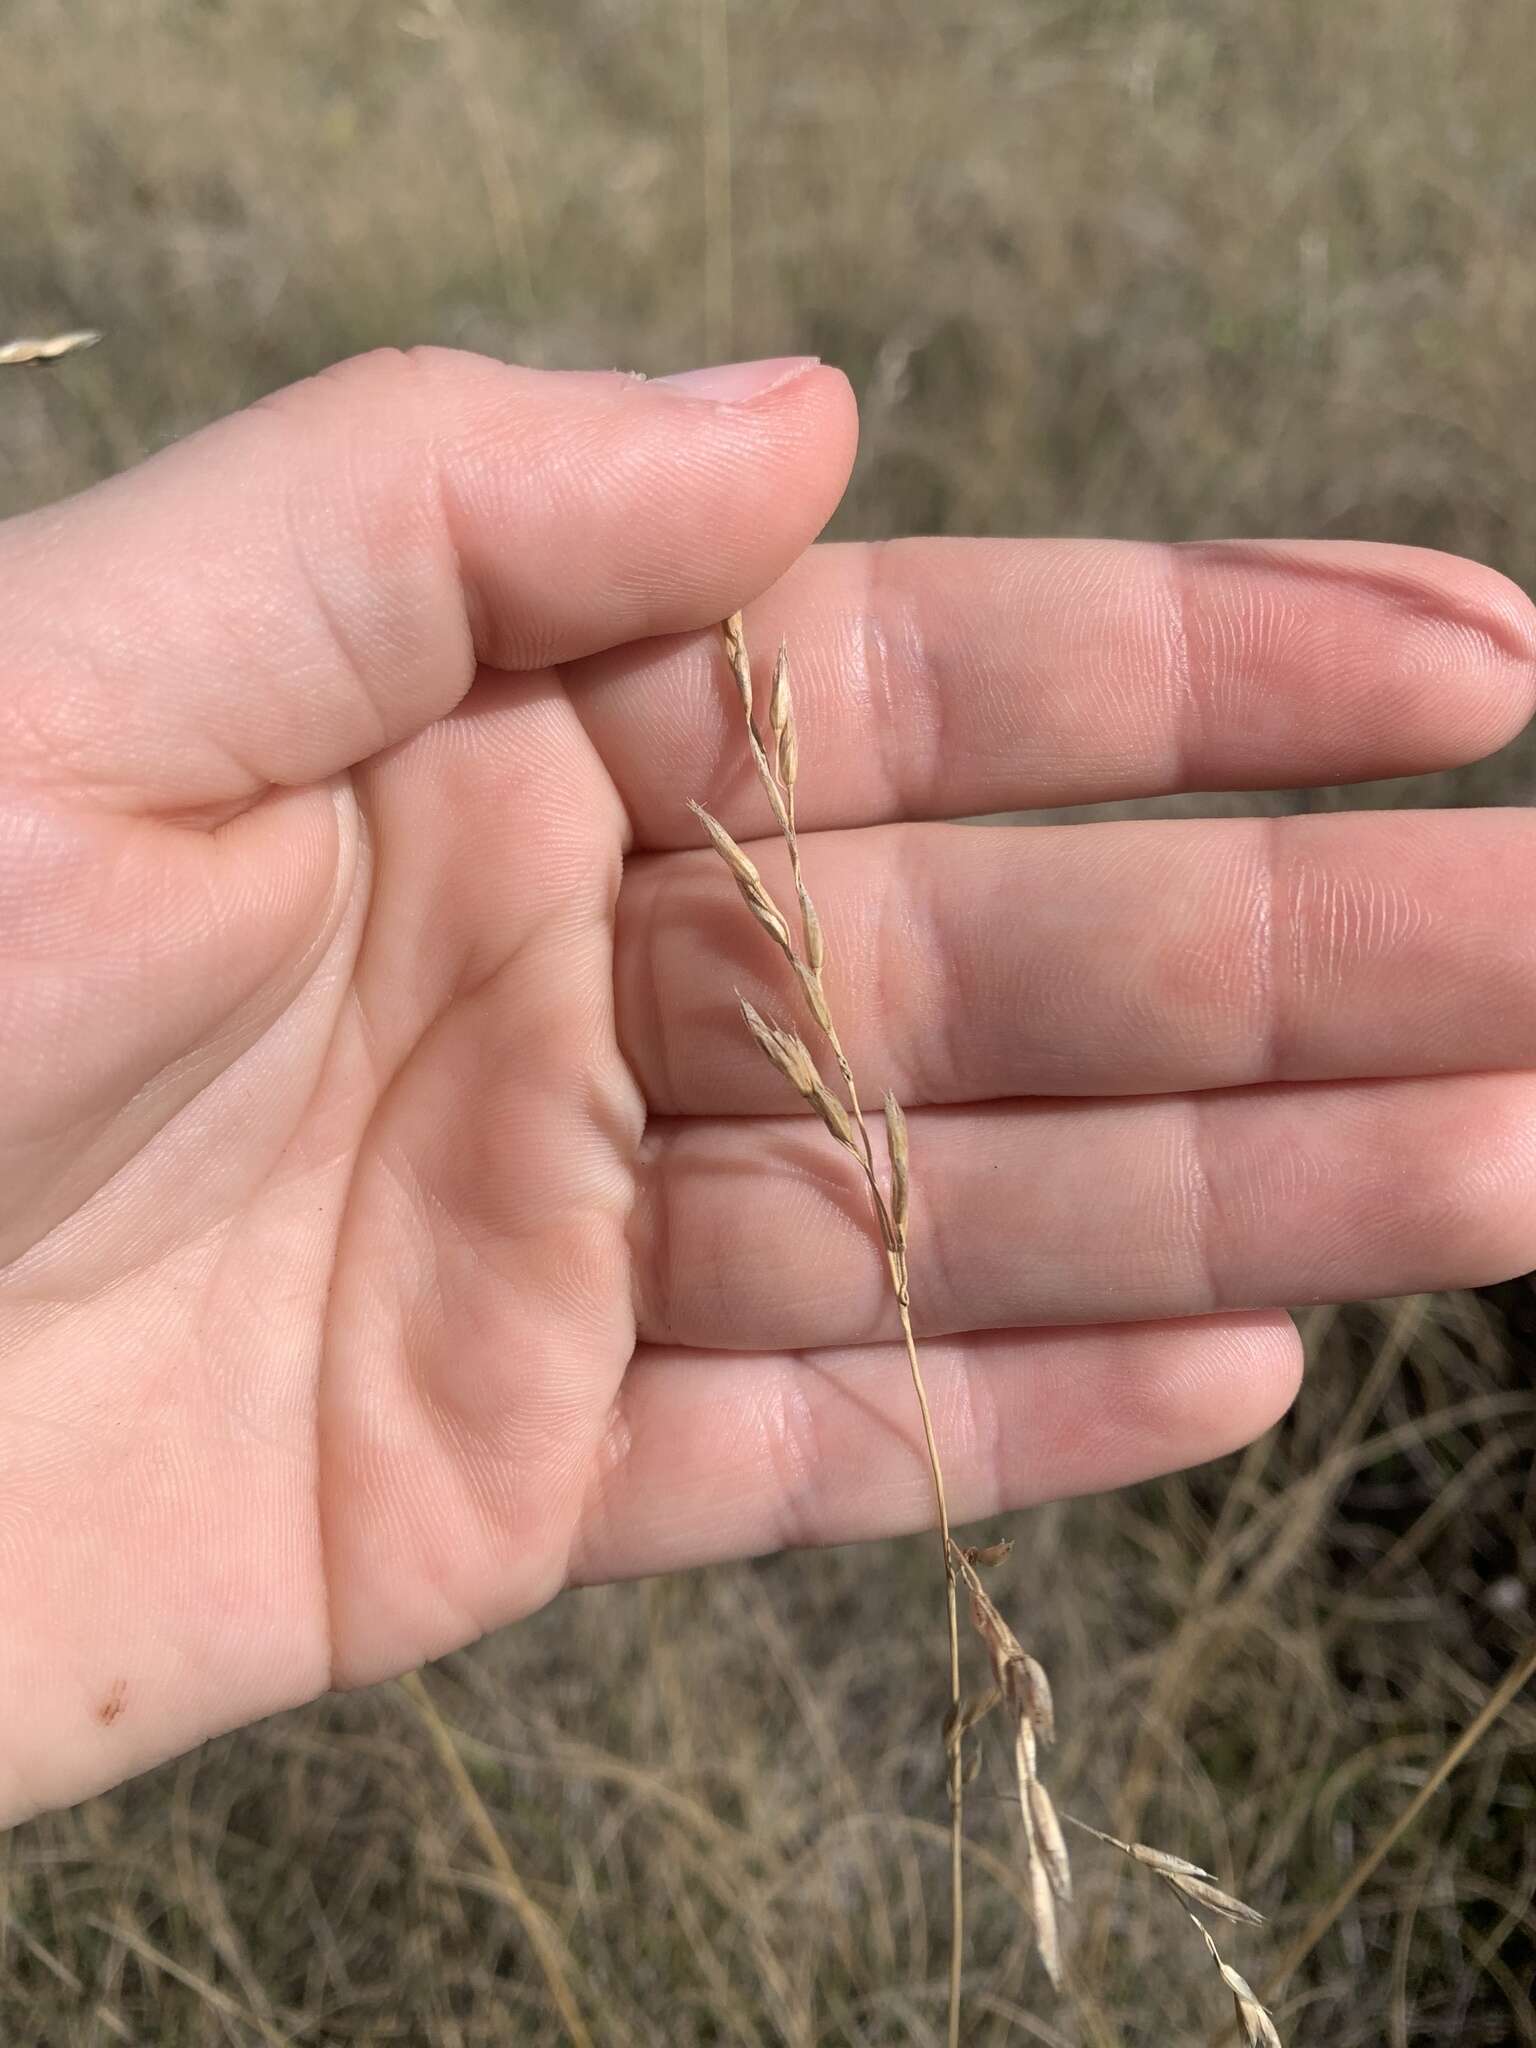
[(396, 1223)]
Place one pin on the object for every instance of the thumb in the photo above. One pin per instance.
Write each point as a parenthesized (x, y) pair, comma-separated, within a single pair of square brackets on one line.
[(297, 586)]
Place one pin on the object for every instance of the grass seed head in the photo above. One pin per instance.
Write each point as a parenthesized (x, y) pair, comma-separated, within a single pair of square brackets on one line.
[(901, 1185), (810, 926), (754, 892), (735, 633)]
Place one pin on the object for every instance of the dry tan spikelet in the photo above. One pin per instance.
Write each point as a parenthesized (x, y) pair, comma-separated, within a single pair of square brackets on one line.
[(1050, 1876), (790, 1054), (1259, 2029), (1026, 1759), (781, 721), (1203, 1893), (778, 694), (735, 634), (815, 996), (1034, 1690), (735, 631), (1047, 1931), (754, 892), (901, 1185), (1160, 1860), (47, 348), (1190, 1884), (1002, 1644), (1192, 1887), (1193, 1884), (989, 1555), (1026, 1755), (1048, 1837), (786, 1050), (786, 752), (834, 1116), (815, 943), (1020, 1676)]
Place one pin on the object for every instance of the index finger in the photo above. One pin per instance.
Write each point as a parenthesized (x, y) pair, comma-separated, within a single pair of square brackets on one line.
[(945, 678)]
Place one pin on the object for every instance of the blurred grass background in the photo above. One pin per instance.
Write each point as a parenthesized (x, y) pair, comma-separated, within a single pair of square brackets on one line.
[(1136, 268)]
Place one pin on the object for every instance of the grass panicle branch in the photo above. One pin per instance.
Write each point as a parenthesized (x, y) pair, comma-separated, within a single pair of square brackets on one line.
[(843, 1116), (1196, 1888), (1019, 1688)]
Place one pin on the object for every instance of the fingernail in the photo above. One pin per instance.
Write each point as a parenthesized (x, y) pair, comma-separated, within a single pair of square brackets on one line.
[(729, 382)]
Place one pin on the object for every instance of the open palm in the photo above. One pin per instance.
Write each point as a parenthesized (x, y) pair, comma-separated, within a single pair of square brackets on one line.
[(395, 1224)]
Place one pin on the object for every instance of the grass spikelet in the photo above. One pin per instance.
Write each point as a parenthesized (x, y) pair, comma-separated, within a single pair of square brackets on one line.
[(1049, 1840), (1189, 1883), (744, 874), (1193, 1887), (34, 352), (781, 723), (1258, 2028), (901, 1180)]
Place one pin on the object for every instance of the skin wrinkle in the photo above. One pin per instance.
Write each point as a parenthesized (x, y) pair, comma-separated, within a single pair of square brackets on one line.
[(1276, 1060), (1507, 627), (1469, 1207), (935, 1266), (653, 1279), (975, 1424), (892, 723), (791, 1437), (348, 662), (886, 979), (239, 1034), (444, 522), (593, 1523), (666, 882), (1188, 732), (948, 1020), (507, 442), (30, 732), (1202, 1211)]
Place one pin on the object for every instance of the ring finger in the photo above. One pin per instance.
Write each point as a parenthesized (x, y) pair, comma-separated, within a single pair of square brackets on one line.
[(753, 1234)]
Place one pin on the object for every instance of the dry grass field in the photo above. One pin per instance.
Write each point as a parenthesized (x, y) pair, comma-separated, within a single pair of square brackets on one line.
[(1142, 267)]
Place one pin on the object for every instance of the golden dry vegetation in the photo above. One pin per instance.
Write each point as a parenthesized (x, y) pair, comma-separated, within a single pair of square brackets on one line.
[(1138, 268)]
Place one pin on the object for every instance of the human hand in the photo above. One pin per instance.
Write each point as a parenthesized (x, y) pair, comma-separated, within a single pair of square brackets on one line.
[(396, 1224)]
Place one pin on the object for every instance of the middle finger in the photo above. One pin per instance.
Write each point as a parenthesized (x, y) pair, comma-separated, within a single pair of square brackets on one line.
[(754, 1233), (971, 964)]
